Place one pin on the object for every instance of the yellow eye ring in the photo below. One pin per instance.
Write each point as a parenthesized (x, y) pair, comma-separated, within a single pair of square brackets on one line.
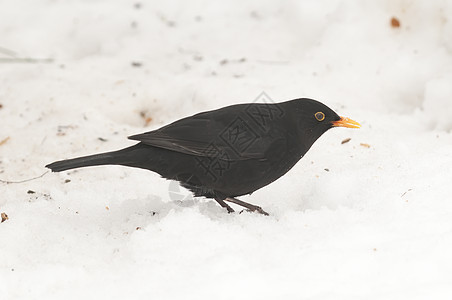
[(320, 116)]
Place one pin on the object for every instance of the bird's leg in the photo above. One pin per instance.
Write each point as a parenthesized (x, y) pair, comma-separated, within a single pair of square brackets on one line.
[(247, 205), (224, 204)]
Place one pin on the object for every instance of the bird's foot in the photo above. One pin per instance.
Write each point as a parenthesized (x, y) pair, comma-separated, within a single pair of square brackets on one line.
[(258, 209), (230, 210), (250, 207), (225, 205), (261, 211)]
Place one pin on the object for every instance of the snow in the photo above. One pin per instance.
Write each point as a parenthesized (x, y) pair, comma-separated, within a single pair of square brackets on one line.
[(377, 225)]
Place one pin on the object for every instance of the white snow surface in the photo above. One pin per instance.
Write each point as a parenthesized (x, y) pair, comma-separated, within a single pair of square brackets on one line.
[(377, 225)]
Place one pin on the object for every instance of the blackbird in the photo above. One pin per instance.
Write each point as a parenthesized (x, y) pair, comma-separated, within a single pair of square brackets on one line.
[(227, 152)]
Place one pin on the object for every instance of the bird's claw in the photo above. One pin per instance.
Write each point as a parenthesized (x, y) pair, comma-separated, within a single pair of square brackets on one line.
[(256, 209), (261, 211)]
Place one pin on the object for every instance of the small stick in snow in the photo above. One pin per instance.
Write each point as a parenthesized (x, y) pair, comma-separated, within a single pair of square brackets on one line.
[(22, 181), (26, 60), (406, 192)]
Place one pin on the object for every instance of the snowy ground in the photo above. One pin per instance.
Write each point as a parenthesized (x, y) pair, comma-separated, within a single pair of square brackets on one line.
[(377, 225)]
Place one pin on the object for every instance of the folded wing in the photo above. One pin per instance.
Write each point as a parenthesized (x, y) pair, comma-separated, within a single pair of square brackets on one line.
[(216, 134)]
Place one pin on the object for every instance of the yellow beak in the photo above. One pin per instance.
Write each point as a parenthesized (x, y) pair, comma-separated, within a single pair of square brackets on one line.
[(346, 122)]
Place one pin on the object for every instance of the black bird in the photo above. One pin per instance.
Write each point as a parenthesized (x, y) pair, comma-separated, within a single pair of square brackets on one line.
[(227, 152)]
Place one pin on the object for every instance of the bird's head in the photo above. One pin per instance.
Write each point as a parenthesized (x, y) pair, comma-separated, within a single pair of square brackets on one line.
[(315, 118)]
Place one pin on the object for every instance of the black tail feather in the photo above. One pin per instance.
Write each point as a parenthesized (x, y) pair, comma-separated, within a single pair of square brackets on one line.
[(120, 157), (86, 161)]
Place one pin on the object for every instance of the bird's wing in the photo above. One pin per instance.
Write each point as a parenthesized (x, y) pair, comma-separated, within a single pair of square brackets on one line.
[(212, 134)]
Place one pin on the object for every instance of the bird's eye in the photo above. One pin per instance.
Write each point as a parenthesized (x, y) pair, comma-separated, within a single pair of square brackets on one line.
[(320, 116)]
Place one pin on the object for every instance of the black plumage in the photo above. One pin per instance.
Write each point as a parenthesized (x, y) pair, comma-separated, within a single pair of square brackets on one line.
[(228, 152)]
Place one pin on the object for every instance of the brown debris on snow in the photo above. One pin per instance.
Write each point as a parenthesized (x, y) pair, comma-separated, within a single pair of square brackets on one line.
[(395, 23), (4, 217), (346, 140)]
